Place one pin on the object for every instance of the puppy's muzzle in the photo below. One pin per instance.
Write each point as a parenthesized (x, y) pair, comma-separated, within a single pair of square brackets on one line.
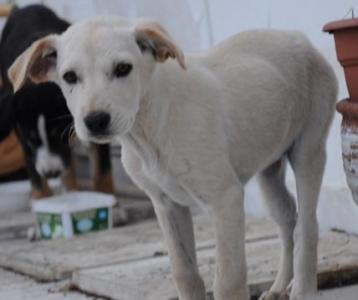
[(97, 122)]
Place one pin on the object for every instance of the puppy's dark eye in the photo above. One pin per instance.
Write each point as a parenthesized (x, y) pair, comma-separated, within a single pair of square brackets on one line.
[(122, 70), (70, 77)]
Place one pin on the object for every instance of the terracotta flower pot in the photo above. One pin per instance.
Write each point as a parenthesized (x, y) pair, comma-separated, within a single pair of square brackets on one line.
[(346, 38)]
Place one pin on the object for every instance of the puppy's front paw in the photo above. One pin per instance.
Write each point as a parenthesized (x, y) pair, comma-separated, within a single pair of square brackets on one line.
[(275, 296)]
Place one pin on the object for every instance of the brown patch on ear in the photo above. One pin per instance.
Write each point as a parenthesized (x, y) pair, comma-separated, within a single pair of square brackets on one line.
[(44, 59), (34, 63), (158, 39)]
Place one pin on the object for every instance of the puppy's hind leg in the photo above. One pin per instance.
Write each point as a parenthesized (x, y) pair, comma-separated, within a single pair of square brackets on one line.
[(308, 166), (282, 208)]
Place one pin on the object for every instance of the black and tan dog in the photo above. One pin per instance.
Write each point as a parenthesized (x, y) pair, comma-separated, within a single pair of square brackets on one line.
[(38, 113)]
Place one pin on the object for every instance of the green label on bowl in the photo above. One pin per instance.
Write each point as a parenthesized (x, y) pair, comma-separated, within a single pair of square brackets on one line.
[(90, 220), (50, 225)]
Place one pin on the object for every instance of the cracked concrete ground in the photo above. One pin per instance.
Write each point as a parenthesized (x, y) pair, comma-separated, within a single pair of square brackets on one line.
[(18, 287)]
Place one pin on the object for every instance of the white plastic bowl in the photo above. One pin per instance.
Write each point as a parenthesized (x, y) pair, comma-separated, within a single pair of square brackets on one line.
[(73, 213)]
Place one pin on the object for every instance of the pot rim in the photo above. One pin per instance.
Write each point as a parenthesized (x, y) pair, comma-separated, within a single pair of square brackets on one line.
[(340, 25)]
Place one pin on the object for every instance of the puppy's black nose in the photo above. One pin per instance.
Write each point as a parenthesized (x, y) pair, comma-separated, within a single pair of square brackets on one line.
[(97, 122)]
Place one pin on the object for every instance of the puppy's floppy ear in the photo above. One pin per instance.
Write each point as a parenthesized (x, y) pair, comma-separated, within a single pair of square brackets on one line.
[(151, 36), (35, 63)]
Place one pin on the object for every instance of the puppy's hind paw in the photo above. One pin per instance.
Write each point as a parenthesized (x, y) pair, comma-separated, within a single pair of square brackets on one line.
[(275, 296)]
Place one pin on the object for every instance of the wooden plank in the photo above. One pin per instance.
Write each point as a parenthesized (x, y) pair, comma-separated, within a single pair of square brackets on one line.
[(151, 279), (53, 260), (346, 293), (16, 224), (19, 287), (15, 221)]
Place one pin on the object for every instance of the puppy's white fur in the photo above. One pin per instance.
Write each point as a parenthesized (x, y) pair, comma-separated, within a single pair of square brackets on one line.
[(46, 161), (200, 129)]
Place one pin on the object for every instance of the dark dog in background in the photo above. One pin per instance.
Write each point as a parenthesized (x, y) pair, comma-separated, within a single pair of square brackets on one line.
[(38, 113)]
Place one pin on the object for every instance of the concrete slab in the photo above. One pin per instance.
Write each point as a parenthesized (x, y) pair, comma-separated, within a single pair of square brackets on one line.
[(17, 287), (53, 260), (346, 293), (150, 279), (15, 224)]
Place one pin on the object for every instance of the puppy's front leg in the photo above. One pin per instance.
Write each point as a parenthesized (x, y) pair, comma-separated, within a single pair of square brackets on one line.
[(100, 156), (177, 226), (229, 218), (39, 185)]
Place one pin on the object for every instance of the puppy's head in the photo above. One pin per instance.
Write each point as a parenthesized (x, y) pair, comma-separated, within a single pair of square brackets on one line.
[(103, 67)]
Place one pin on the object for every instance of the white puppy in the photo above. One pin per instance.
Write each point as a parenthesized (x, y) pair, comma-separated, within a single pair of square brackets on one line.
[(198, 130)]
